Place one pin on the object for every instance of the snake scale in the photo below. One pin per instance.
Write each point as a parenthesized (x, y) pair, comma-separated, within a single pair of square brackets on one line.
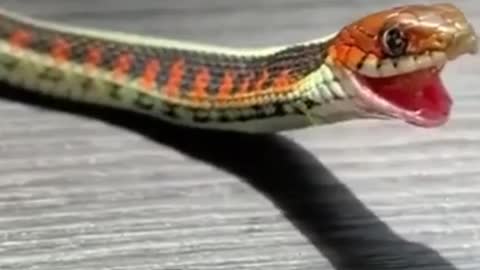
[(385, 65)]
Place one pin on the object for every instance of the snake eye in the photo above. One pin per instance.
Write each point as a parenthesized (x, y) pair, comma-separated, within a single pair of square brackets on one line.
[(394, 42)]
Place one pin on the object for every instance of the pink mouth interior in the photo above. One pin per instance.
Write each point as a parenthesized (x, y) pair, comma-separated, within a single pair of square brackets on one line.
[(421, 91)]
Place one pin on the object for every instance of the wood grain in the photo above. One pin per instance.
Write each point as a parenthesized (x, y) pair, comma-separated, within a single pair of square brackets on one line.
[(88, 188)]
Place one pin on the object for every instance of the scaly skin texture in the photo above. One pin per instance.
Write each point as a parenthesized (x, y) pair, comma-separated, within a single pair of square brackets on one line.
[(264, 90)]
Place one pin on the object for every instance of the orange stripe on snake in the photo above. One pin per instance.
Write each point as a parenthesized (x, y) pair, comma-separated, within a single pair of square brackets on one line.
[(122, 66), (93, 57), (245, 84), (226, 86), (152, 68), (261, 80), (60, 50), (200, 84), (20, 39), (175, 77), (283, 81)]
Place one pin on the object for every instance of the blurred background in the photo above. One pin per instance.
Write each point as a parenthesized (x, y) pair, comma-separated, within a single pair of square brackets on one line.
[(124, 192)]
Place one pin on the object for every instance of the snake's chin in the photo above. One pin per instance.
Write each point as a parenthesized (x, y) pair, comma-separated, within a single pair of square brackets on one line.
[(418, 97)]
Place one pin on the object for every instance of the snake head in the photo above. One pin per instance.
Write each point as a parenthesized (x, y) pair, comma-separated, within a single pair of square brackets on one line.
[(393, 59)]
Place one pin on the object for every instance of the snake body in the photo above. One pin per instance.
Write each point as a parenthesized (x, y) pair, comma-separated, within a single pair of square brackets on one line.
[(249, 90)]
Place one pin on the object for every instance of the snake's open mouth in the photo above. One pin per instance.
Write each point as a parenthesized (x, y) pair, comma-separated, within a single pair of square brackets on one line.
[(394, 65), (418, 97), (408, 88)]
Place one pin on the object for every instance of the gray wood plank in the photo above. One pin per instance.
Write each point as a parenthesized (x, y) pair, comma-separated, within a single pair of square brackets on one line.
[(110, 190)]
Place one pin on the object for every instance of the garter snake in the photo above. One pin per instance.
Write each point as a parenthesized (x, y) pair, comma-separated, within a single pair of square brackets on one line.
[(385, 65)]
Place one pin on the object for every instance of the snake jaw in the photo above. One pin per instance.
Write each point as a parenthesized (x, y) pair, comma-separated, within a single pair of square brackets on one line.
[(393, 60), (410, 89), (427, 104)]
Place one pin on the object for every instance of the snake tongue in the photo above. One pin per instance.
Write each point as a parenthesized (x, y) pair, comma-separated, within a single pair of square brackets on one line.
[(421, 92)]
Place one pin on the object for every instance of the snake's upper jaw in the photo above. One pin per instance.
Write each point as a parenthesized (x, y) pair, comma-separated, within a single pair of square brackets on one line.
[(465, 42), (457, 30)]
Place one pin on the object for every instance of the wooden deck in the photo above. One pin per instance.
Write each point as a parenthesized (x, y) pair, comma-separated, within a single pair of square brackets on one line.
[(86, 188)]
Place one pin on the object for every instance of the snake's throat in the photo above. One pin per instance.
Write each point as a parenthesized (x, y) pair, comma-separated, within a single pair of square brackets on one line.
[(420, 97)]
